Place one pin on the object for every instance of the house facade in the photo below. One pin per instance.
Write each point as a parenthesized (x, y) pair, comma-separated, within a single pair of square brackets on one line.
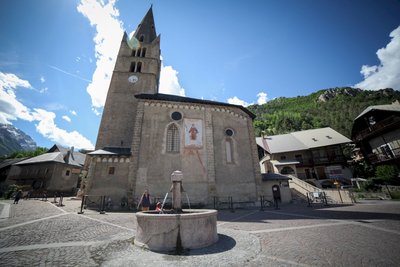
[(57, 170), (376, 132), (313, 155)]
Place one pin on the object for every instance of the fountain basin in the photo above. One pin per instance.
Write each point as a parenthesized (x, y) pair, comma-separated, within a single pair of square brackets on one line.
[(194, 228)]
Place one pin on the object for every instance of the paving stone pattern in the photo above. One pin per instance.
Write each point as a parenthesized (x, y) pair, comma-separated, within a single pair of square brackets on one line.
[(39, 233)]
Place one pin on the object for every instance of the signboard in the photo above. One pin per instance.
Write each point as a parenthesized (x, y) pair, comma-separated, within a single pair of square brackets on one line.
[(335, 172)]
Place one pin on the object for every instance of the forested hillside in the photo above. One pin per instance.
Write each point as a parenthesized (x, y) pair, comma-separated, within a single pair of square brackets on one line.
[(336, 108)]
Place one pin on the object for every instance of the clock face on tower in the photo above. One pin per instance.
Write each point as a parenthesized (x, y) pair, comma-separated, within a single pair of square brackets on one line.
[(133, 79)]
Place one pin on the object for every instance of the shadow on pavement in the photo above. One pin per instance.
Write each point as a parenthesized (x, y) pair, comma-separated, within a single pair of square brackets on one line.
[(224, 243)]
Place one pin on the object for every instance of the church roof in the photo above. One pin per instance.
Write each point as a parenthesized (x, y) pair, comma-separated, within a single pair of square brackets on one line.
[(147, 28), (112, 151), (175, 98)]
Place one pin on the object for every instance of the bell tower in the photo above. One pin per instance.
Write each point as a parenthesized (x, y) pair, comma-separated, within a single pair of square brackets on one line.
[(136, 71)]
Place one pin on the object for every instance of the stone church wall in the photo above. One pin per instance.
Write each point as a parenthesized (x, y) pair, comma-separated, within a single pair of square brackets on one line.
[(204, 165)]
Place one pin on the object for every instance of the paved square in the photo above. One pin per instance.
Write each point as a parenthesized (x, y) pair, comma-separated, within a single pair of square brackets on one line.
[(38, 233)]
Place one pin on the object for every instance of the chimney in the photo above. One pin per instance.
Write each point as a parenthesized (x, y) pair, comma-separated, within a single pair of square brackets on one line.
[(72, 152)]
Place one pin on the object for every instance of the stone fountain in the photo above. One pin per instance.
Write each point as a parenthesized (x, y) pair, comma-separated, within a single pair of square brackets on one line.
[(177, 229)]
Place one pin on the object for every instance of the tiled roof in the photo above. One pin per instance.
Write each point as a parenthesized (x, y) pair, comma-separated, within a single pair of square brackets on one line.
[(112, 151), (303, 140), (59, 154), (8, 162), (393, 107), (174, 98)]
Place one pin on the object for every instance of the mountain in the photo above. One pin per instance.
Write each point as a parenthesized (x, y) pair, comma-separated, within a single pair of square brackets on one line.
[(333, 107), (13, 139)]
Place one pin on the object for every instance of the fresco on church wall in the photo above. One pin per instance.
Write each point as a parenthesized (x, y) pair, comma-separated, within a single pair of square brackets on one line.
[(193, 133)]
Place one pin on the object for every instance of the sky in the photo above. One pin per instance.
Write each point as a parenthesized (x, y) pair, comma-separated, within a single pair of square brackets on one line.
[(57, 56)]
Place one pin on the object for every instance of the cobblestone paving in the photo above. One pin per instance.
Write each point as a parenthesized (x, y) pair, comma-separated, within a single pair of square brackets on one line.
[(39, 233)]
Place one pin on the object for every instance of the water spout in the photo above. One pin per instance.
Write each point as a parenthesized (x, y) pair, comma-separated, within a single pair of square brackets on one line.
[(162, 205), (187, 197)]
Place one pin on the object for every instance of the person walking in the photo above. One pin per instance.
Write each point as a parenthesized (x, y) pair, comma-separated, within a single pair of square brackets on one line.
[(18, 196), (145, 201)]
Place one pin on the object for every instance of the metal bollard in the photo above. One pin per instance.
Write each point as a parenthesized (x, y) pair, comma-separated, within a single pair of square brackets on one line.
[(83, 200), (102, 202)]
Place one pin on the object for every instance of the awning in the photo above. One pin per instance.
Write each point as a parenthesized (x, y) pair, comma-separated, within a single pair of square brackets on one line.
[(284, 162)]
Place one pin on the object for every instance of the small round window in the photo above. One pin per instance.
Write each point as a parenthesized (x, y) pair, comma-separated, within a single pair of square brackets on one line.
[(229, 132), (176, 116)]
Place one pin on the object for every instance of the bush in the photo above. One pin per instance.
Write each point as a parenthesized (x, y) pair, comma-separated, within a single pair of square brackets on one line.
[(395, 195), (370, 185), (387, 173)]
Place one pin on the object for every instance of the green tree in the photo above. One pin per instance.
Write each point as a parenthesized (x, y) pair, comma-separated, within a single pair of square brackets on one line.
[(387, 173)]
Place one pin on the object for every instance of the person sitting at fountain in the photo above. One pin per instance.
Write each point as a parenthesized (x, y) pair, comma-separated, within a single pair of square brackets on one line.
[(158, 206), (145, 201)]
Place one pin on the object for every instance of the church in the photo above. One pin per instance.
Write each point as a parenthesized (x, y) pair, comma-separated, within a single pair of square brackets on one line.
[(145, 136)]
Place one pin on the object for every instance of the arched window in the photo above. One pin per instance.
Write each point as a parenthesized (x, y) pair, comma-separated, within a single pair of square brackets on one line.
[(138, 52), (229, 145), (173, 138), (141, 38), (229, 150), (287, 170), (133, 52), (143, 52)]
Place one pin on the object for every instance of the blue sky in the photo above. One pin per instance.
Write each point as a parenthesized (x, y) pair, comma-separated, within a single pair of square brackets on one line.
[(56, 57)]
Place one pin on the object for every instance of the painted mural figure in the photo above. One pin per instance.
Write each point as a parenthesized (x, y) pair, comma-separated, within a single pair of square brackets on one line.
[(193, 132)]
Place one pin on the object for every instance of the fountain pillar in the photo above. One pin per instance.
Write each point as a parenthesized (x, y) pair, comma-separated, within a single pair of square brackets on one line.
[(176, 188), (177, 229)]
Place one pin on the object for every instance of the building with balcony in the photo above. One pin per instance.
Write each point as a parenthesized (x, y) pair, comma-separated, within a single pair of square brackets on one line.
[(376, 132), (314, 155)]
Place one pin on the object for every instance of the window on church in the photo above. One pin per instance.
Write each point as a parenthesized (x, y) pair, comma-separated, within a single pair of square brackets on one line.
[(141, 38), (229, 132), (132, 68), (111, 170), (139, 67), (138, 52), (143, 52), (229, 150), (133, 52), (172, 138)]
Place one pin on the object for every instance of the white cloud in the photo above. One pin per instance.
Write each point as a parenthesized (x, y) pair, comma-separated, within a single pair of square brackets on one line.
[(387, 73), (107, 41), (12, 109), (43, 90), (169, 83), (236, 101), (73, 112), (66, 118), (49, 129), (262, 98), (42, 79)]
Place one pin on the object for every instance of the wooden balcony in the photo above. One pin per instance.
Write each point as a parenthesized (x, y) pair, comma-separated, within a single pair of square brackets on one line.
[(379, 128), (382, 157)]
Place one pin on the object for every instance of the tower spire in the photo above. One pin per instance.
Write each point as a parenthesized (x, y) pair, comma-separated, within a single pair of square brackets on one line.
[(146, 30)]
